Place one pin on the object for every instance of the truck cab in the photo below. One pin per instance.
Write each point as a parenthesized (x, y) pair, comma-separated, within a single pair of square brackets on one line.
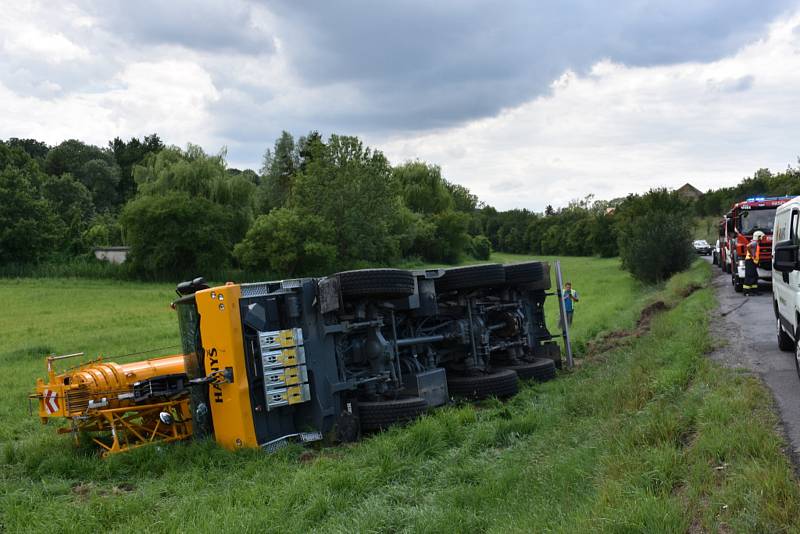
[(744, 219)]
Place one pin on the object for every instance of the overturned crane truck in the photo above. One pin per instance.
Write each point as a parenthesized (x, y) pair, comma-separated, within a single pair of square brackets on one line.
[(744, 218), (263, 364)]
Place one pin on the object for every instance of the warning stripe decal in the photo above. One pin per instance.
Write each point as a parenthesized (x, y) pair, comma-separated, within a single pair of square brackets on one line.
[(50, 401)]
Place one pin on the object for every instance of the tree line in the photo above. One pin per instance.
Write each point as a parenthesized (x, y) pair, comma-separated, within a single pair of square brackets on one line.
[(764, 182), (316, 206)]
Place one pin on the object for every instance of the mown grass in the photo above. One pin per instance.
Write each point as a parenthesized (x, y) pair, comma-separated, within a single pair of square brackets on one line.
[(651, 437)]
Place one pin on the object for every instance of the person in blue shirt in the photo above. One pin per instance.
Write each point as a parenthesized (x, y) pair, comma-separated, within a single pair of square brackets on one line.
[(570, 296)]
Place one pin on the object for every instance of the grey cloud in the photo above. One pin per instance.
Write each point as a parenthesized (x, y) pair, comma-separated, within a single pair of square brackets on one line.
[(419, 65), (35, 77), (427, 64), (199, 25)]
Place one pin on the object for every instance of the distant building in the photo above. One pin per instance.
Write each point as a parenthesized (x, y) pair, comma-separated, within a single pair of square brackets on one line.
[(689, 192), (112, 254)]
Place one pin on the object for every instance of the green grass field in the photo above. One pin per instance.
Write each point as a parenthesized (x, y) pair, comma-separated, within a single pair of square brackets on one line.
[(648, 437)]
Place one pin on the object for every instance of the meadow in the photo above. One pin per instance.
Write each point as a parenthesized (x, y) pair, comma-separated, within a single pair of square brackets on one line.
[(646, 434)]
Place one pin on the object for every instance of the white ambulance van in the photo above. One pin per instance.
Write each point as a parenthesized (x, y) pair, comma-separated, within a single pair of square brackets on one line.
[(786, 276)]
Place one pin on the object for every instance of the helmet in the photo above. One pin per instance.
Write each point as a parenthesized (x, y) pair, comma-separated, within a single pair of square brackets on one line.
[(758, 235)]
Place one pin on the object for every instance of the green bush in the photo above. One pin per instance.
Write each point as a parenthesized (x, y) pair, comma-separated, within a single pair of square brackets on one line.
[(175, 235), (104, 231), (603, 236), (481, 247), (29, 229), (72, 202), (654, 235), (350, 187), (288, 243)]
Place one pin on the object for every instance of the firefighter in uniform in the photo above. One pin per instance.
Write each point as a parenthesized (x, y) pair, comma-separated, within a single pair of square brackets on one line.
[(751, 260)]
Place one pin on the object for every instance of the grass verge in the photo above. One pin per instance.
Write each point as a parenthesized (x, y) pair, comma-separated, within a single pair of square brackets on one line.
[(648, 437)]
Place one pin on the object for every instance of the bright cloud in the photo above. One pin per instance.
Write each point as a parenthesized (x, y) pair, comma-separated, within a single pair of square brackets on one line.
[(621, 129), (49, 47), (168, 97)]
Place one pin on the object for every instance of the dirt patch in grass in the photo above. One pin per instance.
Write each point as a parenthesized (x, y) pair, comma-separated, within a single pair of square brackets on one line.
[(84, 490), (307, 457), (617, 338), (689, 289), (646, 317)]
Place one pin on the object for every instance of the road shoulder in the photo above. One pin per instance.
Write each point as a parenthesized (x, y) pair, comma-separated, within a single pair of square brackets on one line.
[(744, 338)]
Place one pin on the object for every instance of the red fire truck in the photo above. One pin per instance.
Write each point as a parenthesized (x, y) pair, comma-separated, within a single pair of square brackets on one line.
[(744, 218)]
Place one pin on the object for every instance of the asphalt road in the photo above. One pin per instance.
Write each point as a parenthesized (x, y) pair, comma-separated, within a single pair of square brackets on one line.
[(749, 340)]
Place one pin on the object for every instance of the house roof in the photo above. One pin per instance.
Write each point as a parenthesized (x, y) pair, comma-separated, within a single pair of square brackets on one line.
[(689, 190)]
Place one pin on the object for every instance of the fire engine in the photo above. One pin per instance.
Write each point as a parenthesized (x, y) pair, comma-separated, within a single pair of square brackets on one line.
[(744, 218)]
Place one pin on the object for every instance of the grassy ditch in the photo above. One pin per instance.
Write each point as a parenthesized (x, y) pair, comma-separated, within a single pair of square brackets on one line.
[(647, 435)]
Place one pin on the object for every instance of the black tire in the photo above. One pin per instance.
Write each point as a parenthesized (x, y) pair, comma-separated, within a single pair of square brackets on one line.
[(531, 274), (785, 343), (540, 369), (380, 415), (524, 273), (797, 356), (500, 383), (471, 277), (385, 283)]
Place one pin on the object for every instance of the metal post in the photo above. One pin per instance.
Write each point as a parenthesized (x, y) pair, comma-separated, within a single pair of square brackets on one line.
[(563, 314)]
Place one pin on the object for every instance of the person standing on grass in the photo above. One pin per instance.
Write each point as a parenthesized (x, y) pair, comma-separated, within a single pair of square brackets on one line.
[(570, 296)]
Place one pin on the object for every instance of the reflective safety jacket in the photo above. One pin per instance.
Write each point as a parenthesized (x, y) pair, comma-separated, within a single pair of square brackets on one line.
[(753, 252)]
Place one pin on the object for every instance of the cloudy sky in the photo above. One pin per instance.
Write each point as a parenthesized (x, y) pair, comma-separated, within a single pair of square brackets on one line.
[(526, 103)]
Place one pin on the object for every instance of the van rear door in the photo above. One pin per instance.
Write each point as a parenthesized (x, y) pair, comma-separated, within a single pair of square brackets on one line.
[(786, 286)]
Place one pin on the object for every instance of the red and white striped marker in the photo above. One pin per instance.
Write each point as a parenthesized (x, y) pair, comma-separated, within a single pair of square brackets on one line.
[(50, 401)]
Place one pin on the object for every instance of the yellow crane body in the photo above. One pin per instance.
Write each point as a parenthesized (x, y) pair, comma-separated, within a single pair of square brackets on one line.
[(122, 406)]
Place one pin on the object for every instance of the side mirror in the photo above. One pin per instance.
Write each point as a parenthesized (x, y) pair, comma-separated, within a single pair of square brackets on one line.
[(191, 286), (785, 257)]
